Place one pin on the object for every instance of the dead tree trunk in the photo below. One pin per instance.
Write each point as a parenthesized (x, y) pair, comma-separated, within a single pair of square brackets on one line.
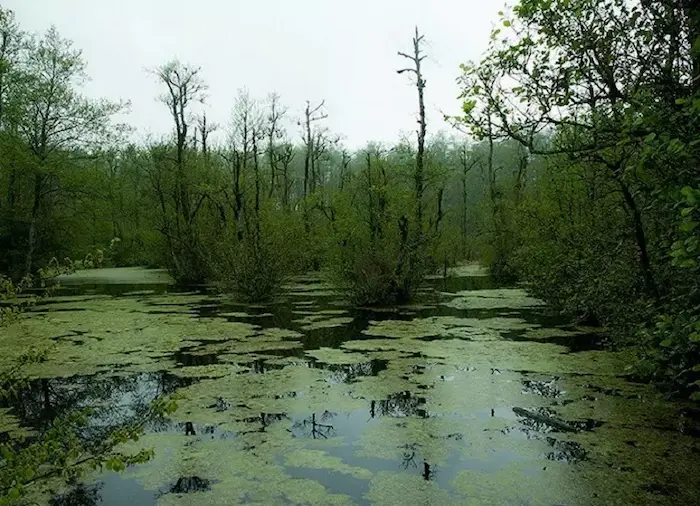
[(467, 165), (312, 115), (344, 163), (416, 58), (273, 134)]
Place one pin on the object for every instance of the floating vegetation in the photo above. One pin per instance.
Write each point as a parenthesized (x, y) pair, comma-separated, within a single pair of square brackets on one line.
[(444, 409), (503, 298)]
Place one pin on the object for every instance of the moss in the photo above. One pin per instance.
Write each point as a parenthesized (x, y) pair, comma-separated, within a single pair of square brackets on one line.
[(121, 275), (504, 298), (389, 489), (208, 371), (241, 315), (104, 334), (447, 326), (337, 356), (511, 485), (550, 333), (238, 474), (326, 323), (274, 333), (317, 459), (397, 439)]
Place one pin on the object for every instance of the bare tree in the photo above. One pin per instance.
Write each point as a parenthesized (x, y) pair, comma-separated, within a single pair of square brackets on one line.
[(245, 123), (311, 115), (344, 163), (416, 58), (286, 156), (467, 161), (205, 129), (185, 87), (274, 134)]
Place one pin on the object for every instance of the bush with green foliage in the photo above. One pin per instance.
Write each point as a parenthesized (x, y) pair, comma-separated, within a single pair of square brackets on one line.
[(598, 232)]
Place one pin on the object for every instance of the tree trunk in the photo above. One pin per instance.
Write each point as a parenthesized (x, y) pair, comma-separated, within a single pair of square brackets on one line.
[(641, 241), (439, 216), (421, 140), (31, 246)]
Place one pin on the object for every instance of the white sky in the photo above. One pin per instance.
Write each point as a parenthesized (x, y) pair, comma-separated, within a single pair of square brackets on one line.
[(340, 51)]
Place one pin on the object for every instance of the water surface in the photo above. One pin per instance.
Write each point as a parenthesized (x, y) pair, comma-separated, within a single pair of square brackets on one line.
[(475, 395)]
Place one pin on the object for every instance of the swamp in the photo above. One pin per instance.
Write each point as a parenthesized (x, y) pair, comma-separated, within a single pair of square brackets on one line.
[(312, 253)]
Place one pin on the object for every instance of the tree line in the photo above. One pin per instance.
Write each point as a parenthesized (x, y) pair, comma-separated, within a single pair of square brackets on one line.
[(573, 167)]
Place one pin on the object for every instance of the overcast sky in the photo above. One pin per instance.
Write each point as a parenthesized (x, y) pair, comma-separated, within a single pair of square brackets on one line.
[(343, 52)]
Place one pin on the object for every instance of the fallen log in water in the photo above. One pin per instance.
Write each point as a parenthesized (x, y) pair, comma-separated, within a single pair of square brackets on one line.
[(545, 419)]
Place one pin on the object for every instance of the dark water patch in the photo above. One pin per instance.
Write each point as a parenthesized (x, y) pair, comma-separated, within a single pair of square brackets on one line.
[(399, 405), (453, 284), (117, 290), (332, 337), (264, 420), (314, 426), (189, 429), (613, 392), (570, 452), (544, 419), (661, 489), (574, 343), (544, 388), (187, 485), (186, 358), (350, 373)]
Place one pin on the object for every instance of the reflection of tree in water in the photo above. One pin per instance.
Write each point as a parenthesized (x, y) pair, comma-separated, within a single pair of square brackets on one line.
[(116, 401), (115, 398), (533, 427), (409, 455), (266, 419), (566, 451), (187, 485), (543, 421), (399, 405), (79, 495), (347, 373), (548, 389), (409, 461), (314, 426)]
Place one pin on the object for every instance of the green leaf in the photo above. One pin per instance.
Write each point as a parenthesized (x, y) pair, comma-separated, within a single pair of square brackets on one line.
[(688, 226), (650, 137), (688, 263), (506, 23)]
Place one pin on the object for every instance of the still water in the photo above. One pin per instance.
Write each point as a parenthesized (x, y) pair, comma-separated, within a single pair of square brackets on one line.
[(476, 395)]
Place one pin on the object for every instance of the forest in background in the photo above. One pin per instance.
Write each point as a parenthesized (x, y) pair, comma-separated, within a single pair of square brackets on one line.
[(573, 168)]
